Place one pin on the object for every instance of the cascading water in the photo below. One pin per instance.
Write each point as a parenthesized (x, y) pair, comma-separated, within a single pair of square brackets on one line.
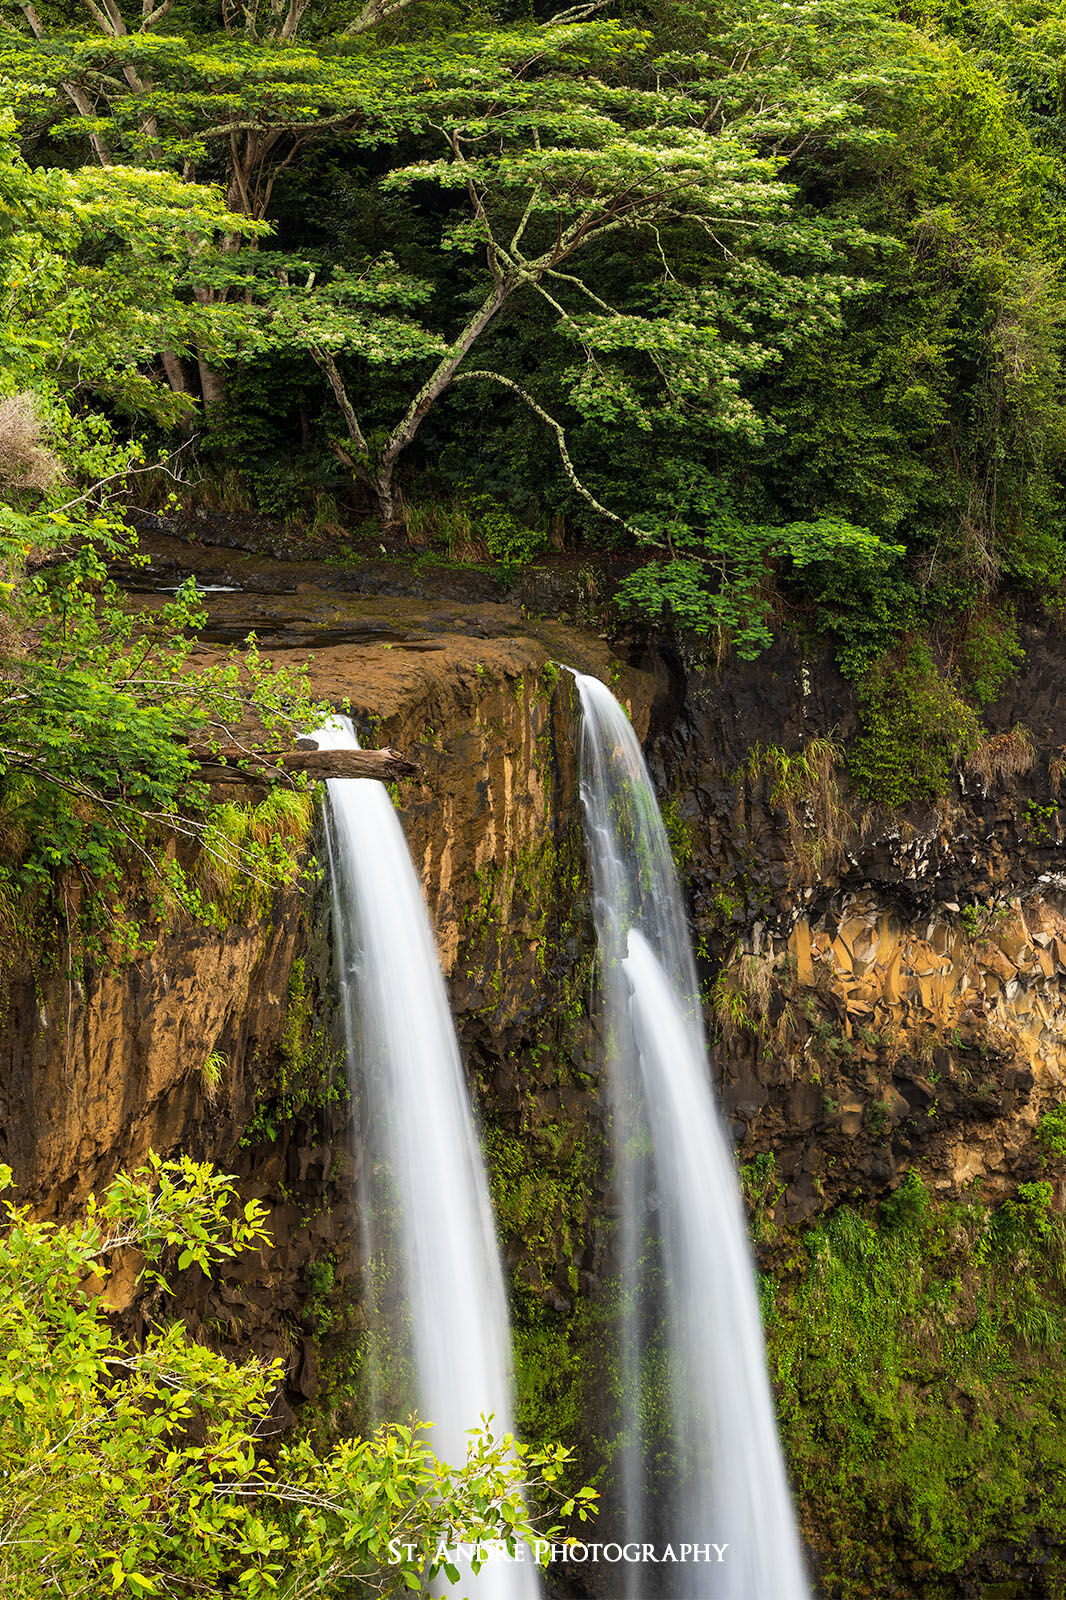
[(400, 1037), (682, 1218)]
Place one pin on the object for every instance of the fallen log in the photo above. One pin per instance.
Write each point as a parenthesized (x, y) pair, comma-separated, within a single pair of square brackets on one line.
[(240, 766)]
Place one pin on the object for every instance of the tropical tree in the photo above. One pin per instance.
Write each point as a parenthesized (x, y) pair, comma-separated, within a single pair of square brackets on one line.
[(91, 268), (551, 153), (243, 102)]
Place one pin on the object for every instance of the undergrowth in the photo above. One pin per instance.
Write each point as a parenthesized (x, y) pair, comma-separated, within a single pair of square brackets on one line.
[(249, 849), (916, 726), (475, 529), (806, 785), (918, 1371)]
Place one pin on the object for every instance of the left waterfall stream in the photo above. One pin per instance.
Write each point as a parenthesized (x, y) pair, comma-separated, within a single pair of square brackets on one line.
[(424, 1169)]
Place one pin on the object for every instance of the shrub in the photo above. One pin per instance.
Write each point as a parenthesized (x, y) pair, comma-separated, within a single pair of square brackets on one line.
[(25, 461), (138, 1470), (916, 728)]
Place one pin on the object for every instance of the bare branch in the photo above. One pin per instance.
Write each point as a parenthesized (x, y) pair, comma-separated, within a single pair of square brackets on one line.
[(325, 360), (131, 472), (569, 277), (563, 19), (560, 439), (218, 766), (374, 12)]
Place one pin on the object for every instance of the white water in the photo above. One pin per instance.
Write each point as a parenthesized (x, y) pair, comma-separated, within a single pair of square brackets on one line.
[(726, 1481), (399, 1032)]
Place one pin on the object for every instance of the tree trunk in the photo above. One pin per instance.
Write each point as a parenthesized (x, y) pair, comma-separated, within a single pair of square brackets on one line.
[(212, 386), (385, 497), (436, 385), (174, 368), (385, 765), (74, 92), (212, 382)]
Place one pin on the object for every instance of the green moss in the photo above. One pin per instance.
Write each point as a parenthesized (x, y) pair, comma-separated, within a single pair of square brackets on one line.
[(678, 832), (322, 1283), (561, 1367), (361, 1331), (915, 727), (918, 1370), (542, 1188), (531, 901), (310, 1073), (762, 1189), (527, 931)]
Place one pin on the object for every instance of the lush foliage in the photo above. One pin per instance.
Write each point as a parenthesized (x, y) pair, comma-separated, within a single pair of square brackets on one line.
[(100, 706), (140, 1469), (95, 727), (917, 1366), (917, 726), (768, 301)]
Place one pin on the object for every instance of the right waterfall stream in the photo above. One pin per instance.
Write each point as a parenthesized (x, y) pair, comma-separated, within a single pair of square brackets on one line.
[(713, 1472)]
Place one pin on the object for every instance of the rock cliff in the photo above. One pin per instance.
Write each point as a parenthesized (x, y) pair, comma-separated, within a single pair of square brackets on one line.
[(884, 989)]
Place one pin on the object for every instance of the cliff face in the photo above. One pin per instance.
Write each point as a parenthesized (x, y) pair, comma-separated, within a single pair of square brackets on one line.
[(224, 1044), (886, 986), (885, 990), (98, 1066), (883, 986)]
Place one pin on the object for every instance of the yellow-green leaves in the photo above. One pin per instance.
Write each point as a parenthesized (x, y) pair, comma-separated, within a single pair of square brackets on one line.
[(135, 1470)]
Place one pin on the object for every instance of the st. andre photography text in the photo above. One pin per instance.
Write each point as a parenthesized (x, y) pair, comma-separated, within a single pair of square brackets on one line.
[(545, 1552)]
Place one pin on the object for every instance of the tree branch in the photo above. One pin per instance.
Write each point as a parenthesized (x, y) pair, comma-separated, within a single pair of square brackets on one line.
[(579, 13), (560, 439), (218, 766), (131, 472), (74, 92), (376, 11), (442, 377), (325, 360)]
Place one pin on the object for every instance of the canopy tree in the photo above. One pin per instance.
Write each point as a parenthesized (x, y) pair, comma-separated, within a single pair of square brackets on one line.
[(549, 152), (555, 140), (748, 273), (242, 104)]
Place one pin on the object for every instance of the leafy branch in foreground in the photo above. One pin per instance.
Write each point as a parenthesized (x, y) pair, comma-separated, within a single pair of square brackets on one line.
[(104, 719), (140, 1470)]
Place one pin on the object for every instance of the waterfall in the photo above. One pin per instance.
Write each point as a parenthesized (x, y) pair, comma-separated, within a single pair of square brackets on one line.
[(682, 1219), (401, 1042)]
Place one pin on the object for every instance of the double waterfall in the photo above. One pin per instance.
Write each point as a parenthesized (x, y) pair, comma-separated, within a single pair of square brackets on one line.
[(682, 1222)]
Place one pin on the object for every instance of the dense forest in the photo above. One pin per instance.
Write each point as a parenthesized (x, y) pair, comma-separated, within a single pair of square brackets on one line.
[(766, 305), (757, 314)]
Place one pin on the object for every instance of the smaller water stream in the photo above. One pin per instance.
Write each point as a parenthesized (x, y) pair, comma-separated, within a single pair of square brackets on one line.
[(422, 1146)]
